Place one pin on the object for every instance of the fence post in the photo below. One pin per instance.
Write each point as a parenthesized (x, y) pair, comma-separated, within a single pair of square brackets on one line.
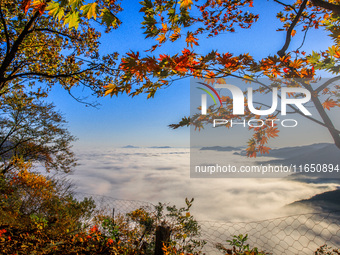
[(162, 236)]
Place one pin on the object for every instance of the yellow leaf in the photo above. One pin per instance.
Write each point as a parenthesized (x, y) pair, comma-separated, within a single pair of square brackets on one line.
[(221, 81), (90, 10), (185, 3), (161, 38), (110, 89)]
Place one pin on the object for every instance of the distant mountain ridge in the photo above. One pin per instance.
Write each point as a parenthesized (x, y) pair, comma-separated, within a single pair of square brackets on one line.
[(151, 147), (130, 147), (220, 148), (299, 156), (327, 201), (291, 152), (160, 147)]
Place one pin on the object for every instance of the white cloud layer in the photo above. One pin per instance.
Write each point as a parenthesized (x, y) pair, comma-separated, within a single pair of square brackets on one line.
[(154, 175)]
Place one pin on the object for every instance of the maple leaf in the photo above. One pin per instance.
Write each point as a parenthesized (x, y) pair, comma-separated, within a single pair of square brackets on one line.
[(264, 140), (296, 63), (164, 28), (133, 55), (174, 36), (293, 32), (39, 5), (72, 20), (329, 103), (163, 57), (264, 149), (325, 91), (210, 74), (90, 10), (109, 19), (111, 89), (221, 81), (272, 132), (55, 10), (337, 54), (191, 40), (25, 5), (251, 152), (161, 38), (185, 4)]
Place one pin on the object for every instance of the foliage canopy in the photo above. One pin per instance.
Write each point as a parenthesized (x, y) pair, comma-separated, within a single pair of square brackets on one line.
[(47, 42)]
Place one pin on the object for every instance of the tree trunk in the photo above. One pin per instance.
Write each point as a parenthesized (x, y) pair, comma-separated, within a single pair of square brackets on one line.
[(162, 236), (326, 120)]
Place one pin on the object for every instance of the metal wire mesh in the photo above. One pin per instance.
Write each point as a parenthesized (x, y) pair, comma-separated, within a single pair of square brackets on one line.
[(295, 234), (110, 205)]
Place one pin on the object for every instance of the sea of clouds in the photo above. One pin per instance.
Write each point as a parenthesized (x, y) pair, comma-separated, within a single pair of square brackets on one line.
[(163, 175)]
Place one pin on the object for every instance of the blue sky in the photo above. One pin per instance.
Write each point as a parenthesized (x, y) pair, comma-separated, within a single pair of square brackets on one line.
[(141, 122)]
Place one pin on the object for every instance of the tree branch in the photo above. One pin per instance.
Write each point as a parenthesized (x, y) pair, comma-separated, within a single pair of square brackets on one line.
[(10, 132), (304, 36), (11, 55), (281, 52), (16, 146), (5, 30), (324, 116), (286, 5), (327, 5), (326, 84), (53, 31), (49, 75)]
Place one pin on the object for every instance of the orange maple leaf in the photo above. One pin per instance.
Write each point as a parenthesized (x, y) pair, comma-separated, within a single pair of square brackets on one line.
[(296, 63), (185, 4), (191, 40), (293, 32), (25, 5), (251, 154), (272, 132), (39, 6), (264, 149), (161, 38), (337, 54), (329, 103)]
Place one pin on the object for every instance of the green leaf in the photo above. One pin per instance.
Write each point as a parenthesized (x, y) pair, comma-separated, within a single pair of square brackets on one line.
[(75, 4), (55, 10), (90, 10), (60, 14), (109, 19), (72, 20)]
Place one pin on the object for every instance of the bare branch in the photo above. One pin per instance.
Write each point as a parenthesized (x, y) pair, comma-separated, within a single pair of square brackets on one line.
[(327, 5), (52, 31), (286, 5), (45, 75), (281, 52), (304, 37), (326, 84)]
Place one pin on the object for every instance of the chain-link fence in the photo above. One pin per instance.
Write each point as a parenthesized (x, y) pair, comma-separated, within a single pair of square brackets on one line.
[(110, 205), (294, 234)]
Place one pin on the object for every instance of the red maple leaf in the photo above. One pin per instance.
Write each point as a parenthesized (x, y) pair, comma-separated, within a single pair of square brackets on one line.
[(25, 5)]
